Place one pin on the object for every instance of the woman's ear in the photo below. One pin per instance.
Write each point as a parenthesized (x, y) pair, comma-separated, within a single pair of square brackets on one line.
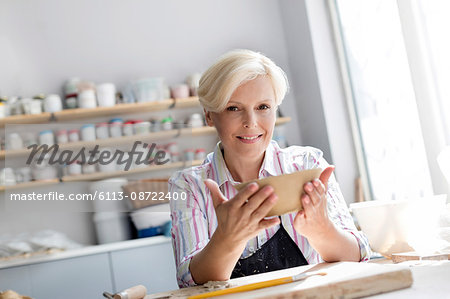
[(208, 118)]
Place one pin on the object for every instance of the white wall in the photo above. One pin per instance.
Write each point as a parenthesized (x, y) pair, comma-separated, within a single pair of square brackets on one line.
[(45, 42), (304, 79), (321, 105)]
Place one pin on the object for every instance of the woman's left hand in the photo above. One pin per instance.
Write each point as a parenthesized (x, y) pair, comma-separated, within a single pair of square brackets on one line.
[(313, 221)]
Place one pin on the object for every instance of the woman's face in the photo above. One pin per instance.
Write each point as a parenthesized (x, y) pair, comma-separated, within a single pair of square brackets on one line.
[(246, 125)]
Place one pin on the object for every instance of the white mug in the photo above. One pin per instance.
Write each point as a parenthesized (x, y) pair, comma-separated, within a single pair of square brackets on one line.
[(46, 137), (3, 110), (36, 106), (88, 132), (14, 142), (110, 165), (74, 168), (193, 82), (86, 99), (179, 91), (7, 177), (26, 105), (52, 103), (106, 94), (25, 173)]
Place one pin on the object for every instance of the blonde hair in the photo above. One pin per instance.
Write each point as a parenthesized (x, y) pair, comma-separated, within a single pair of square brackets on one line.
[(232, 69)]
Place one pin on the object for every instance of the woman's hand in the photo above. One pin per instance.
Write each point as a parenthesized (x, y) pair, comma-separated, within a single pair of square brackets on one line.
[(313, 221), (239, 219), (242, 217), (331, 242)]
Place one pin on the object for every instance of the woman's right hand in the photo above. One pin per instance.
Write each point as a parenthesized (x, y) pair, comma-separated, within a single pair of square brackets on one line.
[(239, 219), (242, 217)]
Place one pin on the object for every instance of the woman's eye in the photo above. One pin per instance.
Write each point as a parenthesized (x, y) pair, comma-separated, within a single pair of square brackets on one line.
[(263, 107), (232, 108)]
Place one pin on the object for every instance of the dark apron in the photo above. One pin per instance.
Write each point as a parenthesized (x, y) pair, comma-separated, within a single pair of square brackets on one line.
[(278, 253)]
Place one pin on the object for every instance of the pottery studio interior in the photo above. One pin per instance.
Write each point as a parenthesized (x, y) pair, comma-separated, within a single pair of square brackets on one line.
[(245, 149)]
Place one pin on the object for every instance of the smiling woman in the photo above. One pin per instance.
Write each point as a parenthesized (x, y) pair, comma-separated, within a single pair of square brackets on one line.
[(246, 126), (218, 232)]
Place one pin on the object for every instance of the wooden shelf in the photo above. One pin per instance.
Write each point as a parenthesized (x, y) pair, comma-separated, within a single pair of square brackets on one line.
[(26, 119), (282, 120), (161, 135), (104, 175), (115, 141), (82, 113), (101, 175)]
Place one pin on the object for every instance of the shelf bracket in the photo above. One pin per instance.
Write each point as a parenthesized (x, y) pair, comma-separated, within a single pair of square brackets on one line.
[(171, 106), (178, 133), (52, 117)]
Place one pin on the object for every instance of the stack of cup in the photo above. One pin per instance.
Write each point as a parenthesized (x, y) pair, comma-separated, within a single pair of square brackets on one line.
[(106, 95)]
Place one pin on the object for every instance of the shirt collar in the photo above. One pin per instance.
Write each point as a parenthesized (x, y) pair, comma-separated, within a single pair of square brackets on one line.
[(270, 159), (223, 174)]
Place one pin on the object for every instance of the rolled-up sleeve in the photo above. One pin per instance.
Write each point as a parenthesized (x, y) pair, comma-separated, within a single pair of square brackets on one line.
[(338, 213), (189, 224)]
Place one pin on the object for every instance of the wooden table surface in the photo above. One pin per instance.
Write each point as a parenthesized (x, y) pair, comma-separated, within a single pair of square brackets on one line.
[(427, 279), (431, 280)]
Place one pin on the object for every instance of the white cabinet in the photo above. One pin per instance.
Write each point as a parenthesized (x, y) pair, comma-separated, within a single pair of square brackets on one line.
[(74, 278), (17, 279), (88, 272), (152, 266)]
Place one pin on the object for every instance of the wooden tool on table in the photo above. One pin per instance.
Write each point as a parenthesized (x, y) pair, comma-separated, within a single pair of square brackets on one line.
[(414, 256), (343, 280), (136, 292), (258, 285)]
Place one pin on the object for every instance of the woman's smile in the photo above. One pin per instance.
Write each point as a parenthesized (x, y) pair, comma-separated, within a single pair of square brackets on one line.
[(249, 139)]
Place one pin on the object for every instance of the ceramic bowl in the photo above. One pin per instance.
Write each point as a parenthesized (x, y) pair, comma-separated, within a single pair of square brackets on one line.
[(398, 226), (288, 188)]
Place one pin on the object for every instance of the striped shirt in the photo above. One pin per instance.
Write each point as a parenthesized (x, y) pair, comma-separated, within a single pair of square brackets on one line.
[(194, 219)]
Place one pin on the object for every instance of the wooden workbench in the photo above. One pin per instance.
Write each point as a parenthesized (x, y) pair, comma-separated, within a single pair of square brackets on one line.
[(344, 280)]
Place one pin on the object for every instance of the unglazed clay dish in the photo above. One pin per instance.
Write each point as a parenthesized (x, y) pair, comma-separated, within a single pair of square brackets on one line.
[(288, 188)]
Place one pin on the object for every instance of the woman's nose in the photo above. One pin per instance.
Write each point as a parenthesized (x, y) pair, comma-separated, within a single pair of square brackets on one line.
[(249, 120)]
